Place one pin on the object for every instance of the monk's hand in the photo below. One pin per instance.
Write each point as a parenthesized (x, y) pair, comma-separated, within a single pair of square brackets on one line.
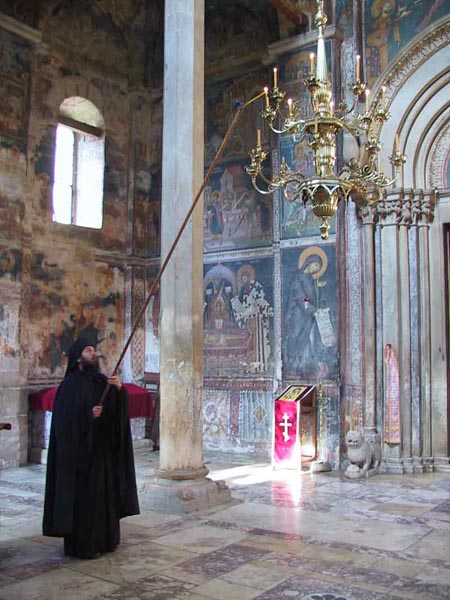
[(97, 411), (115, 380)]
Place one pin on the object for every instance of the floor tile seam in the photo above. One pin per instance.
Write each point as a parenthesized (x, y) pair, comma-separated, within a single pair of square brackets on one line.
[(219, 578), (63, 568), (351, 556), (223, 576), (153, 569), (42, 571), (153, 543), (98, 576), (307, 573), (418, 540), (353, 586), (180, 546), (339, 563), (273, 534)]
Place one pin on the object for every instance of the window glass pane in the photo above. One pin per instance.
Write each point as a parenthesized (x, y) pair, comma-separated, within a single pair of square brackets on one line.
[(64, 155), (62, 203), (91, 163)]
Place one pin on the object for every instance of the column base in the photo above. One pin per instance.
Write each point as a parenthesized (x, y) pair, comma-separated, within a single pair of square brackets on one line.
[(394, 465), (320, 466), (442, 464), (178, 496)]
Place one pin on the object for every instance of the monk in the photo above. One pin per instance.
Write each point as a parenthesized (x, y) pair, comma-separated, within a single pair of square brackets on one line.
[(91, 482)]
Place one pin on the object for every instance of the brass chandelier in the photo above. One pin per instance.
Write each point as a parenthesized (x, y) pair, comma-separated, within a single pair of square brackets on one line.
[(325, 187)]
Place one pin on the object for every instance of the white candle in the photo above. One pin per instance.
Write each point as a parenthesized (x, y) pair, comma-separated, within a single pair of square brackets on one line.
[(312, 57), (358, 67), (367, 100), (258, 138), (275, 78), (266, 93)]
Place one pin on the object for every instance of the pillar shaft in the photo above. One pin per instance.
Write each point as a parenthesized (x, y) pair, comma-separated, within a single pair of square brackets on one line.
[(181, 288), (369, 418)]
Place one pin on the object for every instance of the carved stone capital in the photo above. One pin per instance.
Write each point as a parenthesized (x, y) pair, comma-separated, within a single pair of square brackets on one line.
[(390, 211), (367, 212), (422, 208), (406, 208)]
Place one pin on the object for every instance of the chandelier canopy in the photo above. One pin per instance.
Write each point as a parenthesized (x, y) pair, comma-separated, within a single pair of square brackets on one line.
[(324, 188)]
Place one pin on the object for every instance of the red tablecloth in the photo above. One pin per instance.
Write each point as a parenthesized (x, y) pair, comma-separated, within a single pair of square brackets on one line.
[(141, 402)]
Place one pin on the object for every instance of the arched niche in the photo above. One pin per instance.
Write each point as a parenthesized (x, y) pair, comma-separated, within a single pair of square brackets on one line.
[(418, 99)]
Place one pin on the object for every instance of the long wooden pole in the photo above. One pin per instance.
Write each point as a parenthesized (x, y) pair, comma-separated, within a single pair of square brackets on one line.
[(237, 116)]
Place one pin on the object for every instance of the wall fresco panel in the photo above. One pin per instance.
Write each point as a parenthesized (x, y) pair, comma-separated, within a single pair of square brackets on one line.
[(309, 313), (238, 318)]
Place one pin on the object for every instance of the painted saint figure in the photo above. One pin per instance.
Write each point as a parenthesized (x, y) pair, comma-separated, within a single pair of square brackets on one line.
[(309, 332)]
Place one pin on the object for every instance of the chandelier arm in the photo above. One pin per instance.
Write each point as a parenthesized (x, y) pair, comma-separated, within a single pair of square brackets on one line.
[(355, 134), (342, 113), (260, 190), (278, 131)]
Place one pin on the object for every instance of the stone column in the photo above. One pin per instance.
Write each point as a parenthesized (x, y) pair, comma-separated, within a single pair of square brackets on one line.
[(394, 279), (180, 484), (367, 212), (405, 333), (422, 211)]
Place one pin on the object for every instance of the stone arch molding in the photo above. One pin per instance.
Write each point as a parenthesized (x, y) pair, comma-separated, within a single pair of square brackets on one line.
[(418, 98)]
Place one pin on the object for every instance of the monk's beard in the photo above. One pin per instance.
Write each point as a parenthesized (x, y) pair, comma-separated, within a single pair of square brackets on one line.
[(89, 366)]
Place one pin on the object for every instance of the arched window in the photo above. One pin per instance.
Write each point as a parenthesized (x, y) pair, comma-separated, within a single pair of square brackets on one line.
[(79, 164)]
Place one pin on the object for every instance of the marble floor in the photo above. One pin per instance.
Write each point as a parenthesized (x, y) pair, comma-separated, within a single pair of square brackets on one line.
[(285, 536)]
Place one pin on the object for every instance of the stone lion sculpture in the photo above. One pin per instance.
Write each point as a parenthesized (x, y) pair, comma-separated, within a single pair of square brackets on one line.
[(360, 454)]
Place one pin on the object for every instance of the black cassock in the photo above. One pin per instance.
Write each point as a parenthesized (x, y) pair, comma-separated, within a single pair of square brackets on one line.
[(91, 481)]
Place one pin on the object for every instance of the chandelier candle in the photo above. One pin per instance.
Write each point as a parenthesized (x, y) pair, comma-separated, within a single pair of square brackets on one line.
[(319, 128)]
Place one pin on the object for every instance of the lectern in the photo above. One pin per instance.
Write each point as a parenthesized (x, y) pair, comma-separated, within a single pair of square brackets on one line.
[(294, 427)]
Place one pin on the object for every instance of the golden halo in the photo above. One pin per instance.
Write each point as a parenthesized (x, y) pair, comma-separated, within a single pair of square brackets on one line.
[(245, 270), (314, 251)]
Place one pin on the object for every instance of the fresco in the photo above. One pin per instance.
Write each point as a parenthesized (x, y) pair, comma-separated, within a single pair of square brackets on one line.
[(238, 318), (221, 102), (391, 24), (10, 280), (10, 264), (152, 325), (65, 304), (12, 190), (296, 219), (147, 204), (235, 214), (309, 313), (96, 36), (15, 56), (344, 16), (237, 32)]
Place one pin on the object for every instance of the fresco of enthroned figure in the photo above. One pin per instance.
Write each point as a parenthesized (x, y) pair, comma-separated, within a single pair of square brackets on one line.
[(237, 319)]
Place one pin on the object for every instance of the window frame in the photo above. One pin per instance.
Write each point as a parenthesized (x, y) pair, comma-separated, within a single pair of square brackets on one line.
[(78, 128)]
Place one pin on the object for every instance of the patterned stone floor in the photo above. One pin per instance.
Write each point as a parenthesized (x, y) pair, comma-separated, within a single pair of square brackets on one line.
[(285, 536)]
